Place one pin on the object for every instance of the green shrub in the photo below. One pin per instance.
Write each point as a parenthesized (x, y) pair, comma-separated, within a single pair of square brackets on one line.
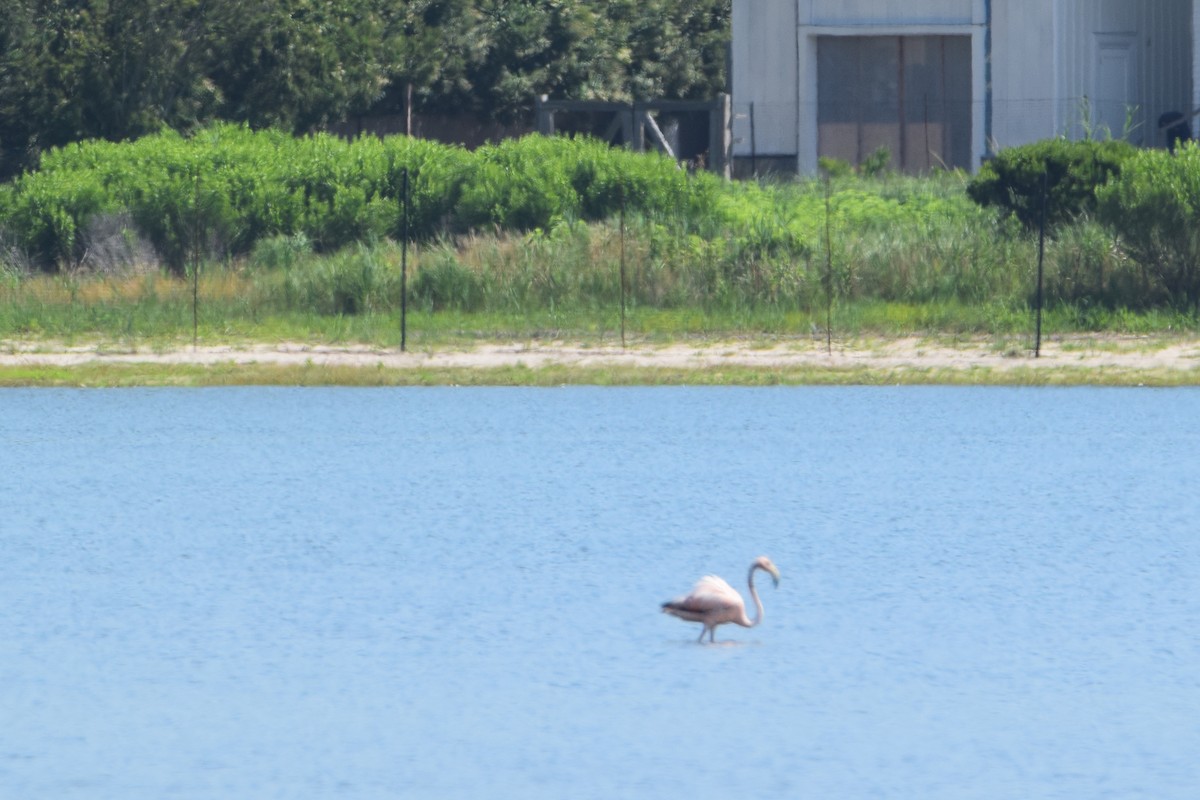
[(1153, 206), (1072, 171), (45, 222), (651, 183), (436, 173), (519, 184), (876, 165), (225, 188)]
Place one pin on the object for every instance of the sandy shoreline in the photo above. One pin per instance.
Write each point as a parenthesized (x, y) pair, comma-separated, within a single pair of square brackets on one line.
[(1179, 358)]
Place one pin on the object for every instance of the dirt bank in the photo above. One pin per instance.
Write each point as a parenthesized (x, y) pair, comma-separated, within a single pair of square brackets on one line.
[(1107, 354)]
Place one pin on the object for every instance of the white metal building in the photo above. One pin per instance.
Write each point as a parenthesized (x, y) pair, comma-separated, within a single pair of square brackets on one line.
[(944, 82)]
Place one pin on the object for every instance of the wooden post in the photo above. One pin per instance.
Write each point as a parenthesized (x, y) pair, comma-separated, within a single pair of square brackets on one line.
[(408, 93), (720, 136), (647, 121)]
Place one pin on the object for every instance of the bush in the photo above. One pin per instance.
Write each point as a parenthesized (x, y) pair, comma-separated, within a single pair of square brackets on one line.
[(1153, 206), (1072, 172), (227, 187), (436, 173), (525, 184), (46, 220), (535, 182)]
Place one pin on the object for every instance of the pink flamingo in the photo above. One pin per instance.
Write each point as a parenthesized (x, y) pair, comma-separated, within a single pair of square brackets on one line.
[(714, 602)]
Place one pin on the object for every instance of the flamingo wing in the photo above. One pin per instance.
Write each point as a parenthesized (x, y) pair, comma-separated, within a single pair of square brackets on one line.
[(713, 593), (710, 597)]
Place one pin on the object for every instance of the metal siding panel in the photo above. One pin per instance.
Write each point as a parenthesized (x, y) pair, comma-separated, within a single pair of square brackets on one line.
[(1024, 95), (1122, 16), (764, 53), (1165, 85), (892, 12), (1161, 46)]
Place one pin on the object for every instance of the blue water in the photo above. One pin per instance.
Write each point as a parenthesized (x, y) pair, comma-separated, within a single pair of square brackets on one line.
[(454, 593)]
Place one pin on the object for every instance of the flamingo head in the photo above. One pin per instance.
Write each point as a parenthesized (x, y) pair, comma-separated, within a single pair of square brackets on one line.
[(765, 564)]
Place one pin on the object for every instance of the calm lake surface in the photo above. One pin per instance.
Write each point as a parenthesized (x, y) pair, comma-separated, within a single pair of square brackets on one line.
[(454, 593)]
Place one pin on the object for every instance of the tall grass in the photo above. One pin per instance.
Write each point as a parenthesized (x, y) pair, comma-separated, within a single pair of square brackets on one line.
[(564, 283)]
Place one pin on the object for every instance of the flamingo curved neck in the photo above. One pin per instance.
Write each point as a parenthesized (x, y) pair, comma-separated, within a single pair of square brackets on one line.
[(758, 606)]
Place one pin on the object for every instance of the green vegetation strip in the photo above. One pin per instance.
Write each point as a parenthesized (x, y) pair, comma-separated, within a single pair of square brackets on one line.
[(115, 375)]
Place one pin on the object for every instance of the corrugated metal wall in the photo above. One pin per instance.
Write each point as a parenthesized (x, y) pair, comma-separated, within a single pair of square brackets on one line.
[(765, 116), (1094, 36), (1057, 66), (887, 12)]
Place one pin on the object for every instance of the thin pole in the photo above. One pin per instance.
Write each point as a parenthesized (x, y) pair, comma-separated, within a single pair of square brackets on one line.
[(828, 273), (1037, 347), (902, 111), (196, 260), (622, 267), (753, 144), (928, 150), (404, 261)]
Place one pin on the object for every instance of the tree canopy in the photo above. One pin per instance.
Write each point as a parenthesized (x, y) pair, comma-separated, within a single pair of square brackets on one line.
[(118, 69)]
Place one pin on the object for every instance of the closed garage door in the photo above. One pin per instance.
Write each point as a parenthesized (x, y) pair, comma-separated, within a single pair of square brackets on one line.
[(909, 94)]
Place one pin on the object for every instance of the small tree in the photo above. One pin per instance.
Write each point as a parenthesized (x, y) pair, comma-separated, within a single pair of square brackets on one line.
[(1073, 171)]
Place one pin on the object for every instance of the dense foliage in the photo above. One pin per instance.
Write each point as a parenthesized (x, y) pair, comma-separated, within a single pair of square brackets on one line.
[(117, 70), (1154, 206), (551, 205), (1069, 173), (531, 222), (224, 189)]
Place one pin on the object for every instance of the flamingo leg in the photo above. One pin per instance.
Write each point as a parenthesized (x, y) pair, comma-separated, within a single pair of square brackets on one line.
[(703, 631)]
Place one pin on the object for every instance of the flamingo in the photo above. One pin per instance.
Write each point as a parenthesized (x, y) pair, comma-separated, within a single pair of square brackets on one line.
[(714, 602)]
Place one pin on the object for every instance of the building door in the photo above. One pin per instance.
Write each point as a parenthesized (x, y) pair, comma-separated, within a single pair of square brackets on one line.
[(909, 94), (1116, 82)]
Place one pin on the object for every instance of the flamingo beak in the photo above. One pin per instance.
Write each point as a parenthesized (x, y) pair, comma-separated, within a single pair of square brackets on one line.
[(775, 577)]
